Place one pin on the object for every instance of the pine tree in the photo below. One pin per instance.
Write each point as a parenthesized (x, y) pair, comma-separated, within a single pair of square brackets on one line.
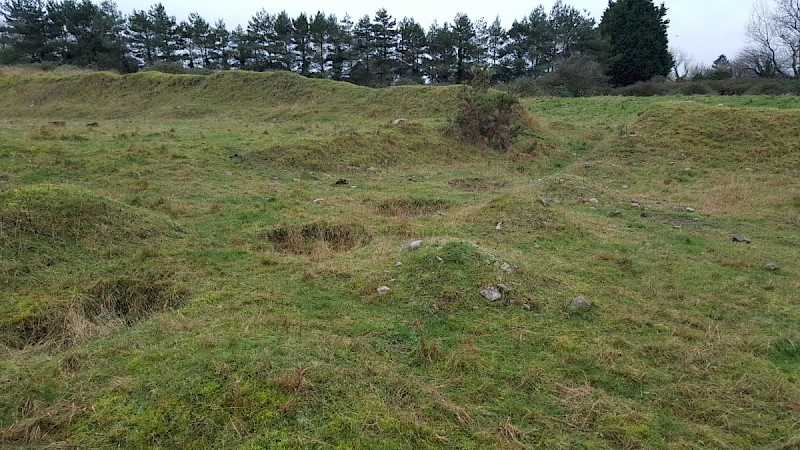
[(637, 34)]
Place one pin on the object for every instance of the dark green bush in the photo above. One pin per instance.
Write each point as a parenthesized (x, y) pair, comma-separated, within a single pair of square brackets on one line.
[(488, 117)]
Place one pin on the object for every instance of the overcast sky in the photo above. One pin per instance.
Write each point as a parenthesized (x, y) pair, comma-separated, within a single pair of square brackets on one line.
[(703, 28)]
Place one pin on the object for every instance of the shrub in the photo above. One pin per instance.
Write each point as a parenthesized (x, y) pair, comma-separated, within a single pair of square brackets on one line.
[(490, 117)]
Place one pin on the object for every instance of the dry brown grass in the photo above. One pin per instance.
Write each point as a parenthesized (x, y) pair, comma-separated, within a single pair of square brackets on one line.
[(42, 424), (508, 433), (295, 381), (408, 207), (319, 239)]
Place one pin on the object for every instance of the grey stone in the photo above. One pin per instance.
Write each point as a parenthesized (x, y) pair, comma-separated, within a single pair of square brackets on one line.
[(399, 121), (502, 288), (543, 201), (771, 266), (439, 259), (579, 303), (506, 267), (491, 293), (415, 245), (594, 200), (689, 209), (383, 290), (740, 239), (398, 264)]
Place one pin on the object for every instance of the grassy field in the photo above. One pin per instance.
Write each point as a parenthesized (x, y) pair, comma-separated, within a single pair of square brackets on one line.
[(179, 268)]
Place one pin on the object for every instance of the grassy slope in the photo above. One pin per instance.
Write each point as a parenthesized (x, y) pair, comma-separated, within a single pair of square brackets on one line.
[(238, 341)]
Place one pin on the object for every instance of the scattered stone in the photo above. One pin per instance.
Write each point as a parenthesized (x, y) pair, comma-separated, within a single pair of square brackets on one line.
[(677, 227), (635, 204), (689, 209), (399, 121), (740, 239), (383, 290), (398, 264), (537, 246), (579, 303), (543, 201), (625, 186), (230, 174), (526, 307), (502, 288), (318, 200), (617, 213), (340, 182), (593, 201), (506, 267), (491, 293), (439, 259), (499, 226), (353, 187), (414, 245), (771, 266)]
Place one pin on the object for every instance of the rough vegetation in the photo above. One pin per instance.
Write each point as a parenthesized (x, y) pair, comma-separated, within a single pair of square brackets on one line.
[(202, 268)]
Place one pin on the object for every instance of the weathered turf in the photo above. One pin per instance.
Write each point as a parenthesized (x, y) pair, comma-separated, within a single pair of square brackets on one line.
[(180, 268)]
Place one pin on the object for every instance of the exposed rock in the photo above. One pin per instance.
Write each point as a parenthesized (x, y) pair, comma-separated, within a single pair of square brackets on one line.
[(526, 306), (414, 245), (506, 267), (383, 290), (318, 200), (340, 182), (594, 201), (771, 266), (491, 293), (617, 213), (579, 303), (399, 121), (740, 239), (544, 201), (689, 209), (398, 264), (439, 259), (502, 288), (499, 226), (635, 204)]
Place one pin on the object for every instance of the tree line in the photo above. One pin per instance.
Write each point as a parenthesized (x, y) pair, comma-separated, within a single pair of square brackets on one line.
[(377, 50)]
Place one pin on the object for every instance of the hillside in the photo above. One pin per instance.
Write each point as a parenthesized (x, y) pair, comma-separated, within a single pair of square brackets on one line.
[(181, 267)]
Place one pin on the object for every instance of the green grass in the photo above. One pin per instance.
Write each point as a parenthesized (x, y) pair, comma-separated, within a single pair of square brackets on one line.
[(188, 274)]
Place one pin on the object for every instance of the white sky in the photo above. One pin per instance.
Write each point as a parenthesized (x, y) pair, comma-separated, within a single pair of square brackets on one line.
[(703, 28)]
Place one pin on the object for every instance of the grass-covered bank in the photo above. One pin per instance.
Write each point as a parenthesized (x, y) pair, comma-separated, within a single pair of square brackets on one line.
[(213, 286)]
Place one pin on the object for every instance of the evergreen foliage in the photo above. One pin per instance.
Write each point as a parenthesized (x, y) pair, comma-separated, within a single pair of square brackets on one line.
[(637, 33)]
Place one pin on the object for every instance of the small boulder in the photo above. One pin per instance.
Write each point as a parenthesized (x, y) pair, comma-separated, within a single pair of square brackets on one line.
[(439, 259), (383, 290), (772, 267), (544, 201), (340, 182), (635, 204), (506, 267), (579, 303), (491, 293), (415, 245), (398, 264), (503, 288), (689, 209), (499, 226), (594, 201), (399, 121), (740, 239)]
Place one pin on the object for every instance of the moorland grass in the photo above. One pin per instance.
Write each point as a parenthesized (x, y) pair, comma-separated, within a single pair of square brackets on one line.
[(214, 201)]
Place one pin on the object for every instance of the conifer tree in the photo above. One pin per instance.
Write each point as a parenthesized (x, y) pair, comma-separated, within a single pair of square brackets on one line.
[(637, 34)]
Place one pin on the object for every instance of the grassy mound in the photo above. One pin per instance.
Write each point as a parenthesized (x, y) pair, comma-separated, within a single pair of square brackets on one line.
[(232, 94), (65, 215), (64, 252), (717, 136)]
